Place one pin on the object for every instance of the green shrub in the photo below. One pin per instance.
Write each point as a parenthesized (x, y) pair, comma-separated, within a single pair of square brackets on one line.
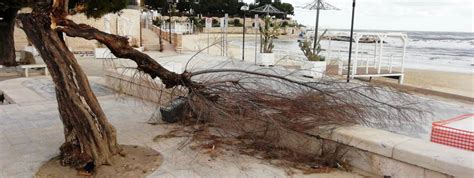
[(215, 23), (237, 23), (157, 22), (269, 31), (305, 46)]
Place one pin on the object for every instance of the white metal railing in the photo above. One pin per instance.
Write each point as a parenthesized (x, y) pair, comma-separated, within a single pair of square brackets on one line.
[(179, 27), (384, 53)]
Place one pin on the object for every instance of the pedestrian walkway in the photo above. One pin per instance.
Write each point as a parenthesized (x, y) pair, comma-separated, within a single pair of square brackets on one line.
[(31, 133), (151, 41), (168, 48)]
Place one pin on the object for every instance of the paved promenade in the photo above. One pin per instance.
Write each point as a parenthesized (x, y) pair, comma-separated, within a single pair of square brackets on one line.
[(31, 133)]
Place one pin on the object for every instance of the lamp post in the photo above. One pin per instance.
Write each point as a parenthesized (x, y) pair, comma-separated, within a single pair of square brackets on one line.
[(170, 10), (244, 8), (318, 7), (350, 42)]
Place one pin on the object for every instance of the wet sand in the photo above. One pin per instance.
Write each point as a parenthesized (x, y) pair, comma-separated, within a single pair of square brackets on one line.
[(448, 82)]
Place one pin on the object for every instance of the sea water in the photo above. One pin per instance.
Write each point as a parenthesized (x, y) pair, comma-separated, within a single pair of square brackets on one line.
[(438, 51)]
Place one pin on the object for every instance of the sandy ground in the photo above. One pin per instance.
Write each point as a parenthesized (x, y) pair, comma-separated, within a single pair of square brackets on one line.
[(133, 161), (448, 82)]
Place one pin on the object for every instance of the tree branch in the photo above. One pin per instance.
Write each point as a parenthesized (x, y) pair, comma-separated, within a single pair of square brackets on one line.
[(120, 47)]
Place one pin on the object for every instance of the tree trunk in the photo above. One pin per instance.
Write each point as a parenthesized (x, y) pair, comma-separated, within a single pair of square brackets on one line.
[(7, 45), (89, 138)]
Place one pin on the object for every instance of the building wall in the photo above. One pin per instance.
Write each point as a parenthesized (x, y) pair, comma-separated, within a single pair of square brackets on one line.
[(79, 44)]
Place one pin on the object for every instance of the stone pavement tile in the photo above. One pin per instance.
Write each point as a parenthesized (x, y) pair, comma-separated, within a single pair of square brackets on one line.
[(40, 155), (45, 123), (185, 173), (162, 175), (6, 119), (13, 131), (22, 114), (44, 133), (11, 108), (24, 175), (17, 140), (3, 115), (171, 145), (16, 167), (3, 141), (55, 136), (51, 106), (55, 143), (6, 128), (50, 114), (26, 148), (23, 95), (180, 157), (44, 115), (34, 107), (26, 125), (4, 163), (6, 153), (34, 103)]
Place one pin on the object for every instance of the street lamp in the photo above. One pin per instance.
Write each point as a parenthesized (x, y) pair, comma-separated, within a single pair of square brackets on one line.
[(350, 42), (244, 8), (170, 10)]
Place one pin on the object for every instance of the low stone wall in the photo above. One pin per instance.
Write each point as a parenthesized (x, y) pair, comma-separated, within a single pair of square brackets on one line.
[(384, 153), (250, 30)]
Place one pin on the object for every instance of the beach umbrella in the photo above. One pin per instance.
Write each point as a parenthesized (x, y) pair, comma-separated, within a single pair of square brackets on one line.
[(267, 9), (318, 5)]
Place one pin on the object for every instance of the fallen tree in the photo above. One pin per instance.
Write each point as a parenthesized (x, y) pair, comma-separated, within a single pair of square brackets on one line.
[(234, 97)]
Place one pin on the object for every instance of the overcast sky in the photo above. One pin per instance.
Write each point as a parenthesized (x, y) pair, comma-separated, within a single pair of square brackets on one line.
[(418, 15)]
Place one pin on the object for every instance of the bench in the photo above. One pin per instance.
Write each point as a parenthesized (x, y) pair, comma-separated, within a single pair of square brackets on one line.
[(34, 66)]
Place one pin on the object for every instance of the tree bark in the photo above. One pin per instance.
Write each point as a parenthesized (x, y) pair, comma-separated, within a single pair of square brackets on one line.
[(7, 45), (89, 138)]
